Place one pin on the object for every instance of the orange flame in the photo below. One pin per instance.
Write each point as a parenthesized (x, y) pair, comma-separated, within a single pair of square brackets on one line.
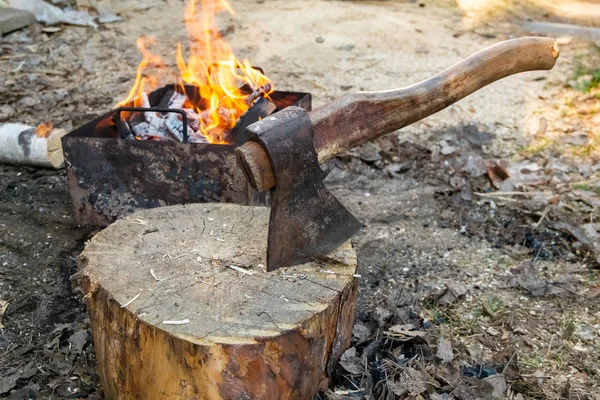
[(212, 67), (144, 82)]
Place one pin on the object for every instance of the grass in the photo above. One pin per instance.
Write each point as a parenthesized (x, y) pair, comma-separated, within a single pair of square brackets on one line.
[(584, 69), (531, 361), (493, 305), (588, 188)]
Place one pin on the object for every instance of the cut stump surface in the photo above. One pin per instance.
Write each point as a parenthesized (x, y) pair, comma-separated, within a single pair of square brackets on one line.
[(172, 319)]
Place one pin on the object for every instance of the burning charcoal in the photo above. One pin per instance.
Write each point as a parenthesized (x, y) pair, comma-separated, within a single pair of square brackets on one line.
[(225, 116), (155, 119), (177, 100), (126, 129), (141, 129), (146, 131), (145, 100), (174, 125), (206, 119), (260, 92), (193, 119), (197, 138)]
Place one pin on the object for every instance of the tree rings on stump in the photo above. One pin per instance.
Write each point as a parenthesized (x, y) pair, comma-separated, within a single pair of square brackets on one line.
[(181, 307)]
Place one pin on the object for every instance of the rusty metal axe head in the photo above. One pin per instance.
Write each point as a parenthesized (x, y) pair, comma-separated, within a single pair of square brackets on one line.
[(307, 221)]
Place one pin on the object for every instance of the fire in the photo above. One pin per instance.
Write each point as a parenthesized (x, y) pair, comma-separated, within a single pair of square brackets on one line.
[(226, 85)]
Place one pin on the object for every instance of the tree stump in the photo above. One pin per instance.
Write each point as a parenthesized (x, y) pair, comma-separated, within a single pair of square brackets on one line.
[(171, 318)]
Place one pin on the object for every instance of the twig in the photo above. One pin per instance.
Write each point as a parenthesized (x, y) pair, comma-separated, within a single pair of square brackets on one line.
[(550, 346), (544, 214), (500, 194), (155, 277), (497, 197), (538, 253), (508, 363)]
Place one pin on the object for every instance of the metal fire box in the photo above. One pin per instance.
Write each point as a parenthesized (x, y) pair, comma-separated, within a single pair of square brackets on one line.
[(110, 177)]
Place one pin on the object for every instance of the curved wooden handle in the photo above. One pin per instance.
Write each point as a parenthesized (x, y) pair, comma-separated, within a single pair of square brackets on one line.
[(356, 118)]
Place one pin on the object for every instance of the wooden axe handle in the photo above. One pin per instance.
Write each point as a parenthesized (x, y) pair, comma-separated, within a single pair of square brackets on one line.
[(357, 118)]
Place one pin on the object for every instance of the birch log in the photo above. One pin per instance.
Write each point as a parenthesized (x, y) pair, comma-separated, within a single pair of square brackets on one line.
[(181, 307), (20, 145)]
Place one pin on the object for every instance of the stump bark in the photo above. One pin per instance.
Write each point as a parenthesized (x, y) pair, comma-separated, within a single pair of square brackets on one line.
[(172, 319)]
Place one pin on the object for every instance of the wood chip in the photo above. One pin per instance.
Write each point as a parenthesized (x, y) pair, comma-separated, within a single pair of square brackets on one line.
[(132, 300), (242, 270), (155, 277), (181, 322)]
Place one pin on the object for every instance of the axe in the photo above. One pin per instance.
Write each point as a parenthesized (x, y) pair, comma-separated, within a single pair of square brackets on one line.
[(285, 150)]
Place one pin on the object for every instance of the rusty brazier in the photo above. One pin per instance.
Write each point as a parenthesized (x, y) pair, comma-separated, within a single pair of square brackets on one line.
[(110, 177)]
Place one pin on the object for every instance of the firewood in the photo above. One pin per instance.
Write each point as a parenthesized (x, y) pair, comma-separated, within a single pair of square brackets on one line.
[(19, 144), (181, 307)]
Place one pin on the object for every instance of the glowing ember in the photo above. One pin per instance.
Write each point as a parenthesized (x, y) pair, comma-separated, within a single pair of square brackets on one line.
[(44, 130), (228, 87)]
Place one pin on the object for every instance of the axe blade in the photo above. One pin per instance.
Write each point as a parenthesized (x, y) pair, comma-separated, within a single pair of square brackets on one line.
[(307, 221)]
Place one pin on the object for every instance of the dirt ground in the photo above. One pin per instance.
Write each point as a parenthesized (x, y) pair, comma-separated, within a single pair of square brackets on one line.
[(472, 286)]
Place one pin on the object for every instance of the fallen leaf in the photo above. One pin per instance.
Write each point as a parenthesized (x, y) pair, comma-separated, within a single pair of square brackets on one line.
[(10, 381), (527, 278), (496, 172), (444, 350), (452, 293), (499, 384), (78, 340), (381, 315), (351, 362), (410, 381), (399, 297), (360, 332), (400, 331), (574, 231)]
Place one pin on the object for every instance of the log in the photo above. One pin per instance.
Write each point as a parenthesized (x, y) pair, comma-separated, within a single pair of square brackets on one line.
[(173, 317), (19, 144)]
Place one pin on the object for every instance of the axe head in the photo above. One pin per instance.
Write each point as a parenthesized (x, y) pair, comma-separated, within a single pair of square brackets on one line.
[(307, 221)]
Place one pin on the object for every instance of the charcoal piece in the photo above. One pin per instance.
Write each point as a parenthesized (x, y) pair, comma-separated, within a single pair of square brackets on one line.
[(145, 131), (177, 100), (256, 93), (174, 125), (166, 99), (145, 100), (141, 130), (197, 137), (259, 110), (126, 130), (134, 118), (193, 119)]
